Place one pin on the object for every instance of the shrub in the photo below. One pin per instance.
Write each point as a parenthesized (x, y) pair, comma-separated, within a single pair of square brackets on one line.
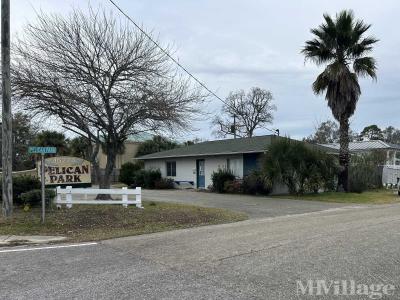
[(22, 184), (256, 183), (233, 186), (127, 172), (146, 178), (151, 177), (364, 172), (138, 179), (219, 178), (34, 197), (164, 183), (299, 166)]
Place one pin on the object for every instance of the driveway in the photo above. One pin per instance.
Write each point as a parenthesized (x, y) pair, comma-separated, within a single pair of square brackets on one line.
[(253, 206), (261, 258)]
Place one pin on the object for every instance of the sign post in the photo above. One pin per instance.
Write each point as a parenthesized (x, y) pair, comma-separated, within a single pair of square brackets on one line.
[(42, 151), (43, 186)]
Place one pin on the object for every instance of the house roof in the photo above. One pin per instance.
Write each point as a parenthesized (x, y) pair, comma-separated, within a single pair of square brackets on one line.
[(257, 144), (365, 146)]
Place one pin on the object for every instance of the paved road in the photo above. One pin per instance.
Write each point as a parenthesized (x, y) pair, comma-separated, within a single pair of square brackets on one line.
[(256, 259), (255, 207)]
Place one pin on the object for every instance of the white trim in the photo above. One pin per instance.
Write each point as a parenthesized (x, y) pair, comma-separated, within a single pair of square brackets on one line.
[(48, 247)]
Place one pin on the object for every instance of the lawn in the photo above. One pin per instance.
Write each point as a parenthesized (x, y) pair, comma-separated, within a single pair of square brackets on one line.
[(97, 222), (369, 197)]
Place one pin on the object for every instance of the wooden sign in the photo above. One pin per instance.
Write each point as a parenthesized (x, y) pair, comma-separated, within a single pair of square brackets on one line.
[(61, 170)]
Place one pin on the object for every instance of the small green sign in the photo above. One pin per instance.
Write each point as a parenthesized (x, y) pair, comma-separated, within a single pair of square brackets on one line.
[(42, 150)]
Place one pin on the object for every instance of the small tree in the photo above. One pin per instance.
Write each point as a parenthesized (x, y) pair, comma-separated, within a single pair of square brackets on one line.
[(53, 138), (79, 147), (156, 144), (102, 79), (325, 132), (328, 132), (24, 131), (252, 110), (371, 132), (391, 135)]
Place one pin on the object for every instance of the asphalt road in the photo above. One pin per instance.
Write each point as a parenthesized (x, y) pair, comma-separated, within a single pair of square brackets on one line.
[(260, 258), (254, 207)]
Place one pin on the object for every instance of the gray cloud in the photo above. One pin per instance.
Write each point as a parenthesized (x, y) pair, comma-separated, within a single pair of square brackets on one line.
[(232, 44)]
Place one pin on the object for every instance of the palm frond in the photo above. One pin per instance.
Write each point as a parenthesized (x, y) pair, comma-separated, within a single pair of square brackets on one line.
[(343, 91), (340, 43), (344, 27), (359, 29), (359, 49), (317, 52), (321, 83), (365, 66)]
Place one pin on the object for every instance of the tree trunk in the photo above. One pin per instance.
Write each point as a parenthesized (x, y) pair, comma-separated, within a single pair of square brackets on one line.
[(105, 179), (344, 157), (91, 155)]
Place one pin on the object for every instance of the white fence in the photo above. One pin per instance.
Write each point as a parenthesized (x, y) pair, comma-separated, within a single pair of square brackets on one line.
[(70, 196)]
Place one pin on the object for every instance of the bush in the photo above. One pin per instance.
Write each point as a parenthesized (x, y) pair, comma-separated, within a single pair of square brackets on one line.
[(34, 197), (233, 187), (255, 183), (299, 166), (219, 178), (364, 172), (22, 184), (164, 183), (127, 172), (146, 178), (138, 179)]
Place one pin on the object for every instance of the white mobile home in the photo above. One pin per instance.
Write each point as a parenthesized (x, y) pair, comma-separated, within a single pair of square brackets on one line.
[(391, 168), (193, 165)]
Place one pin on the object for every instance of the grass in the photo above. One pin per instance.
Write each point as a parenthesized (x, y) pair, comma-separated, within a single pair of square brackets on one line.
[(369, 197), (98, 222)]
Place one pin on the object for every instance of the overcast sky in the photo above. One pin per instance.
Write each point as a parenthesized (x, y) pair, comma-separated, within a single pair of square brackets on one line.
[(231, 44)]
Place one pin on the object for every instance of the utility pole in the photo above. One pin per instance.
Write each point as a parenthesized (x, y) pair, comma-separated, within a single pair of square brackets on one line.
[(233, 129), (6, 113)]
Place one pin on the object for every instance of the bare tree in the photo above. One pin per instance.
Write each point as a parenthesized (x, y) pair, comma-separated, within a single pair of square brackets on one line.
[(325, 132), (328, 132), (251, 110), (102, 79)]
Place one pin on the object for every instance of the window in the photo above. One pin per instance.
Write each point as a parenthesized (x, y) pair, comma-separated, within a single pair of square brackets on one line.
[(233, 164), (171, 168)]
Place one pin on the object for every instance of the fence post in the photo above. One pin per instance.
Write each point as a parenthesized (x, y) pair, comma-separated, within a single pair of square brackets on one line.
[(139, 197), (125, 198), (69, 196), (58, 198)]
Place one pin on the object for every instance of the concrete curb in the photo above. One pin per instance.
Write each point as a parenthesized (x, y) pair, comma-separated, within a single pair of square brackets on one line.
[(9, 240)]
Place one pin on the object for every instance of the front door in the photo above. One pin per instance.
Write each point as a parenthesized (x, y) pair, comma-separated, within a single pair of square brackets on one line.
[(201, 178)]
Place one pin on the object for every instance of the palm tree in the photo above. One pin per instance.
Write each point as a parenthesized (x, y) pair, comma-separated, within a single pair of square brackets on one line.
[(341, 45)]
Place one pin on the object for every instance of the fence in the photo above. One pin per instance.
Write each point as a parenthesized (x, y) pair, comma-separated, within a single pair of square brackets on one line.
[(70, 192)]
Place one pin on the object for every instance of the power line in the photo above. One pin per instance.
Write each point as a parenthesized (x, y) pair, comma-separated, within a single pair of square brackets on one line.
[(276, 131), (166, 52)]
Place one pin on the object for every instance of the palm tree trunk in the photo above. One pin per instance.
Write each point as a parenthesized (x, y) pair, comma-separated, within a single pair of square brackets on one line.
[(344, 156)]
